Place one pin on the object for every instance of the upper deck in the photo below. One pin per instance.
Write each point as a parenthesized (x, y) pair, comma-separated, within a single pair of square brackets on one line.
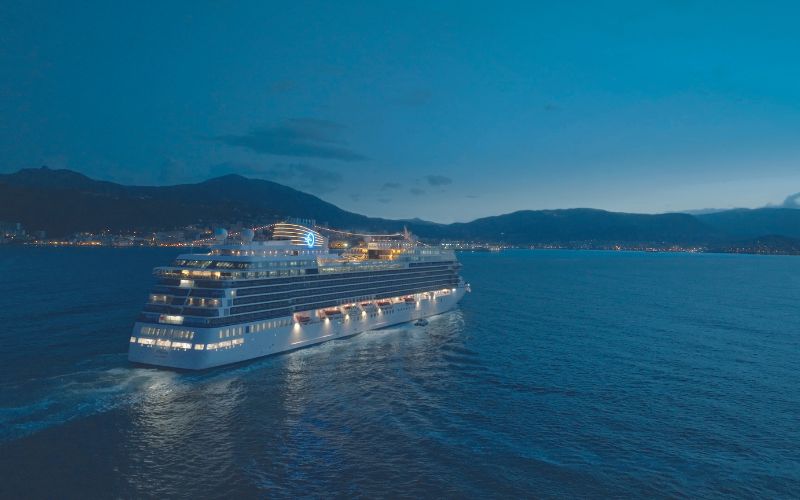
[(247, 260)]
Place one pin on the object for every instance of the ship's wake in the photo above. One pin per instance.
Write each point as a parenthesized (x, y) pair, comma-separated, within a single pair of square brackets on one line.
[(53, 401)]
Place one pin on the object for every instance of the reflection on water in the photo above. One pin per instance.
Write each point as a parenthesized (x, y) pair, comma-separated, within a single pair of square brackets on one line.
[(579, 374)]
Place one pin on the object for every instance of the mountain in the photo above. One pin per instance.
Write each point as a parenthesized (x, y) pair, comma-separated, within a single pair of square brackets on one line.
[(582, 225), (63, 202), (744, 223), (62, 179)]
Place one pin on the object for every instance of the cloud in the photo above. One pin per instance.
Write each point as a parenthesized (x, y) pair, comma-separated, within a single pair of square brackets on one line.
[(385, 200), (416, 191), (391, 185), (355, 196), (438, 180), (791, 201), (302, 137), (297, 175)]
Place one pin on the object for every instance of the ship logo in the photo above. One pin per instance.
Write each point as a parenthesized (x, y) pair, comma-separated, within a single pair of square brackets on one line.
[(310, 239)]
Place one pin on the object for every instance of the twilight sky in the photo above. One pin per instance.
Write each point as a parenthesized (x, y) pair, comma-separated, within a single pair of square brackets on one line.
[(441, 110)]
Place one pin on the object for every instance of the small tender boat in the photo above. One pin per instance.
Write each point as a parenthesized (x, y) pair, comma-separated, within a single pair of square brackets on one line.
[(421, 322)]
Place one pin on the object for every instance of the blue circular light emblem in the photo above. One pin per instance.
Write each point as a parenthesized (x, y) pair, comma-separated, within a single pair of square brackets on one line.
[(310, 239)]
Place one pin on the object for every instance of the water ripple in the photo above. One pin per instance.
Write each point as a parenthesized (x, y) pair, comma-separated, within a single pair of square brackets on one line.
[(581, 374)]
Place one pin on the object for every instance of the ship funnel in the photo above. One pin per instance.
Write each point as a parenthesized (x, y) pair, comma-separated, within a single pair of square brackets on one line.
[(247, 235)]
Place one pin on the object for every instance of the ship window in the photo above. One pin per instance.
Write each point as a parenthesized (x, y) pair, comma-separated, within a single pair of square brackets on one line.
[(199, 347)]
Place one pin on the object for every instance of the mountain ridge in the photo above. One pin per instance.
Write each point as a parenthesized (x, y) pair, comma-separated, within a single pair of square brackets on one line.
[(63, 202)]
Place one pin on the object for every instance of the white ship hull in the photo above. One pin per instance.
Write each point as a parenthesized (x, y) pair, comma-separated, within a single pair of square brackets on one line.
[(252, 344)]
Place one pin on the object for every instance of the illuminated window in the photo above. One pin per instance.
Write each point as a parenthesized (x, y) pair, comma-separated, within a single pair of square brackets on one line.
[(199, 347), (170, 319)]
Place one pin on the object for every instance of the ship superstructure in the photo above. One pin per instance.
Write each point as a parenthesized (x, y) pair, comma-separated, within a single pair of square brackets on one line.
[(246, 299)]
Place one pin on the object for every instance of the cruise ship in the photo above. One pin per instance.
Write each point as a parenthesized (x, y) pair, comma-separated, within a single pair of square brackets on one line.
[(246, 298)]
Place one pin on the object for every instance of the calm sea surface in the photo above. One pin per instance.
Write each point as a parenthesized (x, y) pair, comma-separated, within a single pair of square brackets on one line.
[(563, 373)]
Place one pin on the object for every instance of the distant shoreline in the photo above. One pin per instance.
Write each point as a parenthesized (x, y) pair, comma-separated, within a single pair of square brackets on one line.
[(482, 248)]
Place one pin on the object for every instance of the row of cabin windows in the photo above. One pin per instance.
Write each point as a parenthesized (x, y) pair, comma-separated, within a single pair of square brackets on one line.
[(231, 332), (266, 325), (292, 285), (309, 275), (295, 292), (258, 327), (202, 302), (334, 299), (206, 275), (347, 295), (185, 346), (277, 313), (222, 345), (172, 333), (354, 280), (221, 264), (327, 294)]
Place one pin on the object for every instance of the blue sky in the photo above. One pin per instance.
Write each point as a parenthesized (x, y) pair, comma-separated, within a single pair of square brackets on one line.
[(441, 110)]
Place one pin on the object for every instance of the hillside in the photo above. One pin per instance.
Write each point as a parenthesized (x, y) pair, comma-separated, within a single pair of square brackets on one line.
[(63, 202), (583, 224), (741, 224)]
